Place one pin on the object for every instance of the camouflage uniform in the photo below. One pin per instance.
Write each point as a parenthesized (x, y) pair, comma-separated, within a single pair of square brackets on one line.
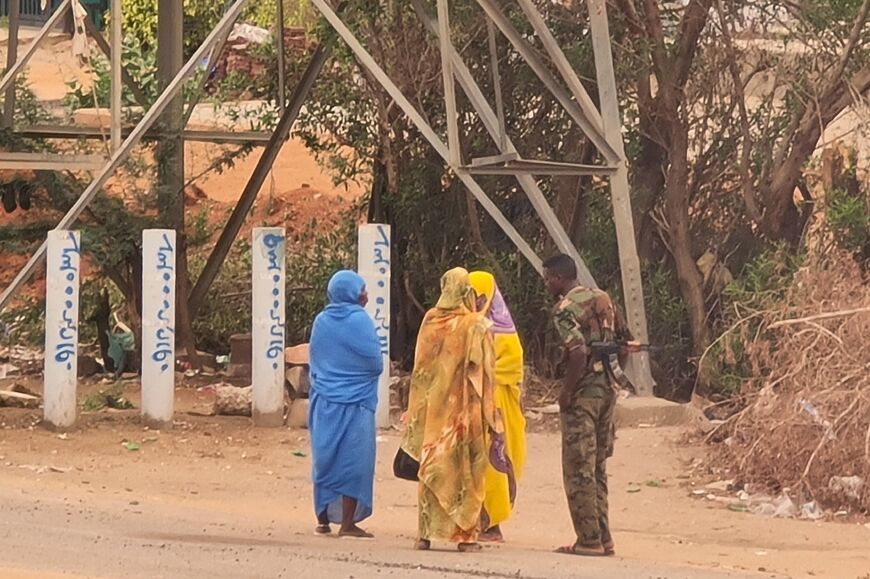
[(582, 316)]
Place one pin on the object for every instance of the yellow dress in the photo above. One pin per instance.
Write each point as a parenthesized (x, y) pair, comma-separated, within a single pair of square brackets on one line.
[(501, 486), (451, 412)]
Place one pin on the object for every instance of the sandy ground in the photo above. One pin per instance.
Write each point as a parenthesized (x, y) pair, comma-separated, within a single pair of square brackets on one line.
[(295, 168), (217, 497), (52, 66)]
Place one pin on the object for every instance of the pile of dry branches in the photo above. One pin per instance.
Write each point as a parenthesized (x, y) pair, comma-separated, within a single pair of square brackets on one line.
[(805, 425)]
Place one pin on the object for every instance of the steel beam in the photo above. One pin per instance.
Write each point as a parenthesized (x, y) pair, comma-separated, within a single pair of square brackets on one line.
[(279, 46), (454, 152), (426, 130), (496, 82), (104, 47), (50, 162), (117, 66), (12, 73), (563, 66), (14, 10), (73, 132), (528, 167), (527, 182), (119, 156), (494, 160), (591, 125), (629, 264)]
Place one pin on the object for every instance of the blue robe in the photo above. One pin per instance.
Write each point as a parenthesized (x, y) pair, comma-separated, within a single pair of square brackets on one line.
[(346, 362)]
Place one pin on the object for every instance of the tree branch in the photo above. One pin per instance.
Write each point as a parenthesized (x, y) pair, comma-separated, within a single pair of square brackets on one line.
[(740, 98), (691, 26), (656, 34), (854, 37)]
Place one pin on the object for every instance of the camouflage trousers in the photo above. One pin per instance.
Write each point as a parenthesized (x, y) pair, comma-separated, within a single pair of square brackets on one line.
[(587, 443)]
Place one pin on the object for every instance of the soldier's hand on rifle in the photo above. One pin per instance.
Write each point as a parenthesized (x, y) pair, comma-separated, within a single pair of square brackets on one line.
[(631, 346)]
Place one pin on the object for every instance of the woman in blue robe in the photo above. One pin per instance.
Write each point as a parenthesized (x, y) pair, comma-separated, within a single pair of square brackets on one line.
[(346, 362)]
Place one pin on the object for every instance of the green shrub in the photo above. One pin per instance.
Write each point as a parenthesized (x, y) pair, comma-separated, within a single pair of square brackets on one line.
[(848, 219), (312, 257)]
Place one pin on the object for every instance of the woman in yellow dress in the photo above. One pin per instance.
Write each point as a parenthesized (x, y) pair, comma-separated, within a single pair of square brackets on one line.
[(502, 475), (451, 420)]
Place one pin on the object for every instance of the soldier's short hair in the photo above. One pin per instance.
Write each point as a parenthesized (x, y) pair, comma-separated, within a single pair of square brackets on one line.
[(562, 265)]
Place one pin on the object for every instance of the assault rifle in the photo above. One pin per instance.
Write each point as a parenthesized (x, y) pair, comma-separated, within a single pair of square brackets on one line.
[(619, 347), (608, 354)]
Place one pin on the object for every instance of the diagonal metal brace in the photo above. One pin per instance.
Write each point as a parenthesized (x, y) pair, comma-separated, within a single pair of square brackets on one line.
[(588, 120), (138, 93), (491, 122), (120, 155), (426, 130)]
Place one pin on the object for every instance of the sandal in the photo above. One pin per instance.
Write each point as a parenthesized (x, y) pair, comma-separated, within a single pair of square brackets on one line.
[(491, 537), (583, 551), (423, 545), (322, 529), (469, 547), (356, 533)]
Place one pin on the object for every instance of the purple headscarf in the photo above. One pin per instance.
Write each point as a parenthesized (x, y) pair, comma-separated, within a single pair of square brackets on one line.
[(500, 316)]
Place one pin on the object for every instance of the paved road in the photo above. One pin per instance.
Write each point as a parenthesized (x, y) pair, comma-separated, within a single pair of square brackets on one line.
[(46, 536)]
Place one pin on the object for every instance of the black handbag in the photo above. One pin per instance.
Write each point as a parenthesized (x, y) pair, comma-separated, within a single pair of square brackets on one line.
[(405, 467)]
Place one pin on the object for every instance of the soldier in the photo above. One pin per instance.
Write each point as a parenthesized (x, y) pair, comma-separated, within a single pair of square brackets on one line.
[(587, 399)]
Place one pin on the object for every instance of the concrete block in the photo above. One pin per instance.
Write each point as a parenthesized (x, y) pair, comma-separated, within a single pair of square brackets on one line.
[(241, 349), (298, 417), (240, 371), (641, 411)]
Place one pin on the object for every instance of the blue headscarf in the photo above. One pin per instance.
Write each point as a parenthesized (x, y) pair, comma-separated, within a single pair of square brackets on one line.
[(345, 352)]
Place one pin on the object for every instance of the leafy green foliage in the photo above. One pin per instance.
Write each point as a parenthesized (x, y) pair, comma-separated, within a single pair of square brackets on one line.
[(112, 397), (200, 16), (200, 231), (848, 219), (312, 257), (23, 325), (299, 13), (764, 278), (764, 282), (141, 64)]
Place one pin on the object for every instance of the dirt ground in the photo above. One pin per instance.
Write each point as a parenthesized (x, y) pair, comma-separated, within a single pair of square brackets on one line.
[(214, 492)]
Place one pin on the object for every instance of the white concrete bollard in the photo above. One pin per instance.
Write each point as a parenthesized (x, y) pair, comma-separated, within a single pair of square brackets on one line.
[(158, 326), (268, 326), (374, 267), (61, 327)]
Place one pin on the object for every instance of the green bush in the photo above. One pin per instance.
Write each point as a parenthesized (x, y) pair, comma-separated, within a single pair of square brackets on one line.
[(763, 282), (200, 16), (296, 13), (312, 257), (848, 219), (139, 60)]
